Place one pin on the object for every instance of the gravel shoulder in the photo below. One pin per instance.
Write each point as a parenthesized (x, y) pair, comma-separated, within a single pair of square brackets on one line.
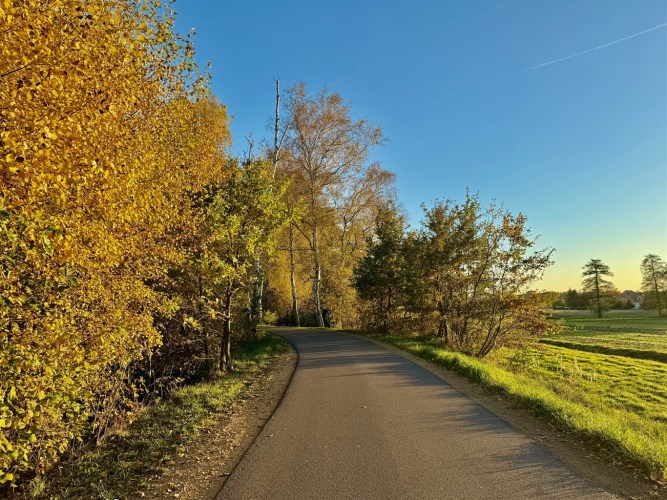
[(201, 469)]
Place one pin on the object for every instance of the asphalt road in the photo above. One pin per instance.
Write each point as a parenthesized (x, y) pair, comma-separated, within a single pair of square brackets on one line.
[(360, 422)]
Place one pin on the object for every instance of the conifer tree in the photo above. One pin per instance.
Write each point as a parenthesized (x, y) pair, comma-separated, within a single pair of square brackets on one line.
[(594, 283)]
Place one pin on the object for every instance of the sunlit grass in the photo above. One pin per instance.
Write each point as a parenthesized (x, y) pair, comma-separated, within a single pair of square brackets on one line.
[(599, 381), (614, 321), (635, 335)]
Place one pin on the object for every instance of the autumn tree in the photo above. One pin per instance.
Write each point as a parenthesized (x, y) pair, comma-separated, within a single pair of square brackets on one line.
[(594, 283), (244, 217), (290, 241), (475, 267), (93, 187), (654, 280), (328, 153), (378, 275)]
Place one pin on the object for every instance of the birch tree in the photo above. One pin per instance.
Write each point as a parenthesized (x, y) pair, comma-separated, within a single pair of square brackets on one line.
[(329, 151)]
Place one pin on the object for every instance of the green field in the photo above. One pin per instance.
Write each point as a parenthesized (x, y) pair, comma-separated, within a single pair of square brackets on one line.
[(634, 320), (635, 388), (617, 396), (616, 366), (632, 334)]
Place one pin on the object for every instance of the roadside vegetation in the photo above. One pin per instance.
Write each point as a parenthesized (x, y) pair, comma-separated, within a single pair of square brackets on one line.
[(616, 400), (135, 248), (457, 291), (131, 455), (127, 247), (134, 255)]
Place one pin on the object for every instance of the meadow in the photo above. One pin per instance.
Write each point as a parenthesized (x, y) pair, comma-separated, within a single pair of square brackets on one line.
[(635, 334), (616, 366), (605, 379)]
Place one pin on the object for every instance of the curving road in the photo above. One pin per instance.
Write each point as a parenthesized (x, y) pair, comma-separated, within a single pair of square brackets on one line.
[(360, 422)]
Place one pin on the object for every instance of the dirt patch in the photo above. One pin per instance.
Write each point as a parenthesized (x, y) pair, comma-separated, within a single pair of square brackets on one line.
[(201, 469), (591, 461)]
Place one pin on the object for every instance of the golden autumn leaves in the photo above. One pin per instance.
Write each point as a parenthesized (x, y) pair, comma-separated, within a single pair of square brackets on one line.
[(106, 128)]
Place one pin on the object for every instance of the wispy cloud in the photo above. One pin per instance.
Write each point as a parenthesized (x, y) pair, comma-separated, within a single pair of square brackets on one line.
[(572, 56)]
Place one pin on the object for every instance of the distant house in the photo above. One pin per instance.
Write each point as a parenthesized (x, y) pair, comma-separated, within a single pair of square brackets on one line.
[(634, 297)]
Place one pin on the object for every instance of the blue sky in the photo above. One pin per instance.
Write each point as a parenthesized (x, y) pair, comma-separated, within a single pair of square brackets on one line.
[(579, 146)]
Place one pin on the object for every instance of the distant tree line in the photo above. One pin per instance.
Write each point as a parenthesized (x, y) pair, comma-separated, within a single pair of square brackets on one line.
[(600, 295)]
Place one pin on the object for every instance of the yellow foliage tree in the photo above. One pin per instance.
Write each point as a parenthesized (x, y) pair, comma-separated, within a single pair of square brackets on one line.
[(105, 130)]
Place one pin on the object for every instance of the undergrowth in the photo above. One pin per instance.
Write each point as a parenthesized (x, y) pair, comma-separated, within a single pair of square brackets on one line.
[(130, 456)]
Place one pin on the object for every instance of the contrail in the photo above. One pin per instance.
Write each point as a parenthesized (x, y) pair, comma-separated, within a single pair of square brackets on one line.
[(594, 48)]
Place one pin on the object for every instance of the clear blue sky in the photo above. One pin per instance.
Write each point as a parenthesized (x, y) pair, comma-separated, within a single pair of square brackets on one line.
[(579, 145)]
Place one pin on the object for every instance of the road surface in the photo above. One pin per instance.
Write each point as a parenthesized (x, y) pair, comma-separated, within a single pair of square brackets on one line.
[(360, 422)]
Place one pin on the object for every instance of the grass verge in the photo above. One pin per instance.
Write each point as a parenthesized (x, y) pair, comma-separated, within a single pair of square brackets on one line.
[(128, 457), (638, 439)]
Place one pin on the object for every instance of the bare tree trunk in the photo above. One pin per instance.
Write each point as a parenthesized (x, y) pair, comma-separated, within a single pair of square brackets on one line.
[(276, 146), (387, 313), (441, 313), (256, 308), (200, 311), (597, 295), (657, 291), (260, 308), (226, 342), (292, 278), (317, 276)]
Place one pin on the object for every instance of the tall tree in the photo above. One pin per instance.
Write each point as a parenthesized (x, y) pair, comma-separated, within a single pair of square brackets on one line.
[(256, 303), (329, 150), (294, 205), (245, 217), (594, 283), (377, 276), (355, 216), (654, 278)]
